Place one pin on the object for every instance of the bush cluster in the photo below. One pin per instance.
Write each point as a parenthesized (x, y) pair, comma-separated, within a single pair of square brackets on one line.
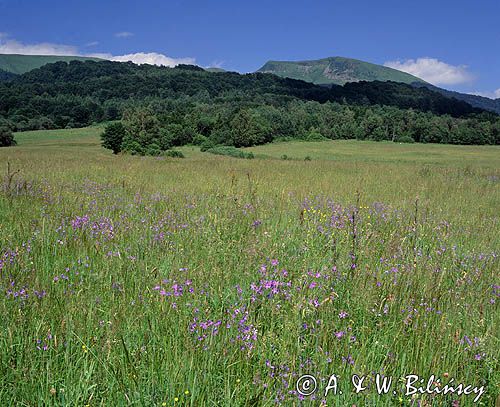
[(230, 151)]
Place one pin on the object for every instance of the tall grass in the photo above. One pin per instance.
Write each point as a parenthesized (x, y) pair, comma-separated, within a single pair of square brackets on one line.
[(213, 281)]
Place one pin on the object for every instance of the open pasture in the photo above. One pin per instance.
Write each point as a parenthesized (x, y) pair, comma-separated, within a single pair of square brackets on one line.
[(210, 280)]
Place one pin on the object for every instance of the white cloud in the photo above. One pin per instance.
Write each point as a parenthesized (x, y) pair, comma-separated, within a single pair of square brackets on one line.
[(10, 46), (152, 58), (92, 44), (124, 34), (492, 95), (433, 71)]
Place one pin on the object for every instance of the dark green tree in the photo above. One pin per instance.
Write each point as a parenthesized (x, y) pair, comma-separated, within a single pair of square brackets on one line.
[(6, 138), (248, 129), (112, 137)]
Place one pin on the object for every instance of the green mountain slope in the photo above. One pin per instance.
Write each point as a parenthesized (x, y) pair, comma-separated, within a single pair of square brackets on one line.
[(339, 70), (19, 64), (493, 105), (336, 70)]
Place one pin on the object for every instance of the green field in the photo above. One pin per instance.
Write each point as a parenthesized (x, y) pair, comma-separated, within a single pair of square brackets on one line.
[(211, 280)]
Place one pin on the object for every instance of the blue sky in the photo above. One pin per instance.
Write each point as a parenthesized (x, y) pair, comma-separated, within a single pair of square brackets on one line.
[(454, 44)]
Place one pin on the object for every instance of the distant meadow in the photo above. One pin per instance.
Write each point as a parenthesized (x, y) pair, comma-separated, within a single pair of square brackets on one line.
[(213, 280)]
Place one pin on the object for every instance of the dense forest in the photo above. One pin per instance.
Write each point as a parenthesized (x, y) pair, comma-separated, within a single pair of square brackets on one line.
[(6, 76), (161, 107)]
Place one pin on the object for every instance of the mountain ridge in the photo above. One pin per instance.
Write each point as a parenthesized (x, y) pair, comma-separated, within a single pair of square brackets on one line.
[(336, 70), (325, 72), (340, 70)]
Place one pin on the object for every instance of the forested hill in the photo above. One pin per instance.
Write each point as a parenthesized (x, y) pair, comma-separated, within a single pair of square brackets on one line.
[(481, 102), (53, 87), (187, 103), (6, 76)]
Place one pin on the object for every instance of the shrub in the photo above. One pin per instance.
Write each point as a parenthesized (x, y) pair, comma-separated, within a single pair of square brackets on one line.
[(284, 157), (404, 139), (207, 145), (132, 146), (173, 153), (153, 149), (199, 140), (308, 158), (6, 138), (314, 135), (230, 151)]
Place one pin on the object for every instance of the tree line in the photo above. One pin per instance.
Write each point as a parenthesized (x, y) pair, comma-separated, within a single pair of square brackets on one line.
[(167, 124), (186, 104)]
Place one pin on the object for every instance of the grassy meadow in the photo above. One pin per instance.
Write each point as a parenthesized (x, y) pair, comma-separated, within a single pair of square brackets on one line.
[(216, 281)]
